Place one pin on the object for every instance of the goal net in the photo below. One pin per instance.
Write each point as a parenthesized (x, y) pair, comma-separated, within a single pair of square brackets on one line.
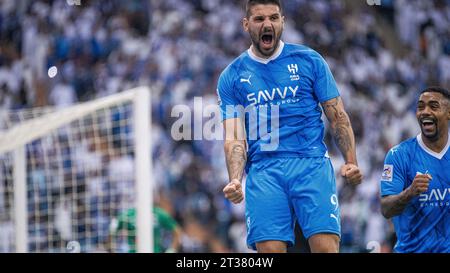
[(66, 175)]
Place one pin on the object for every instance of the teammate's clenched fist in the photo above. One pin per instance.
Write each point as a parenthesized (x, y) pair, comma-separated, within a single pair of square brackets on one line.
[(420, 184), (352, 174), (233, 191)]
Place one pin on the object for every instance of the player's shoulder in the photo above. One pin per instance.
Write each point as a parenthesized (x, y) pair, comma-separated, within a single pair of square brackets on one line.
[(408, 144), (131, 212), (404, 148), (159, 211), (235, 65), (127, 214), (302, 51)]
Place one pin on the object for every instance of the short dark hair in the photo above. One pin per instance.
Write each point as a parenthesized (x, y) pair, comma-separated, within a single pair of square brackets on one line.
[(251, 3), (437, 89)]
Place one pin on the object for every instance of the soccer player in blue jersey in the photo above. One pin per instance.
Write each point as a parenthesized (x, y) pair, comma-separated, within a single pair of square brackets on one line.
[(292, 180), (415, 183)]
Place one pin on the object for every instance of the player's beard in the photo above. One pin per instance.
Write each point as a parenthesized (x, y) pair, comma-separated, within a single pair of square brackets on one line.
[(432, 131), (432, 136), (257, 41)]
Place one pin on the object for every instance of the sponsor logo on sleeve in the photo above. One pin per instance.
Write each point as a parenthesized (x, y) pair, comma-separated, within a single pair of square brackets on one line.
[(388, 171)]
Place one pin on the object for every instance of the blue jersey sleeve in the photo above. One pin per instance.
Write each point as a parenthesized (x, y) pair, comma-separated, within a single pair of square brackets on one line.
[(226, 94), (325, 86), (393, 177)]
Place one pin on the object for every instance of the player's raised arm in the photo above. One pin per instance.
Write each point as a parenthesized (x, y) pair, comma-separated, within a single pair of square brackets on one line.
[(343, 135), (236, 158), (392, 205)]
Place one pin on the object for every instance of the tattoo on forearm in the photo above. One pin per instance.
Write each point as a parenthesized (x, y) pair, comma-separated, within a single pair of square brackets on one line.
[(341, 128), (395, 204), (342, 136), (236, 161)]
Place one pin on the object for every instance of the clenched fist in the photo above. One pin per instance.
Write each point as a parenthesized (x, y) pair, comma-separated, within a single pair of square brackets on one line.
[(420, 184), (352, 174), (233, 191)]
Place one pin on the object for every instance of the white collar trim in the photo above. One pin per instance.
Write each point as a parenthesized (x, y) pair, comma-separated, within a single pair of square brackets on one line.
[(271, 58), (429, 151)]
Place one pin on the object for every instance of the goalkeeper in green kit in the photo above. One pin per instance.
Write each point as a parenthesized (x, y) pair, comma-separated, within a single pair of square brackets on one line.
[(162, 221)]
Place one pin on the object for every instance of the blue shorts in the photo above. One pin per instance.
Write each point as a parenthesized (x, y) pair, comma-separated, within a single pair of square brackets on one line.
[(281, 190)]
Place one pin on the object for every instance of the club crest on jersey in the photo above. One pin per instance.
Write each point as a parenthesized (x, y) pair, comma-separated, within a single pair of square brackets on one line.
[(293, 69), (388, 171)]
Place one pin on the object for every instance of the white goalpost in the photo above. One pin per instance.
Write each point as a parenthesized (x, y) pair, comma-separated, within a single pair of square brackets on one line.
[(67, 174)]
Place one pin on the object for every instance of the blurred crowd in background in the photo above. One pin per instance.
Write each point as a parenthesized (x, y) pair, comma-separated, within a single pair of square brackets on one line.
[(381, 57)]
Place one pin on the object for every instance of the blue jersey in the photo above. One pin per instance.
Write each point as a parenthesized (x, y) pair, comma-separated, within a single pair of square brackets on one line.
[(424, 225), (296, 79)]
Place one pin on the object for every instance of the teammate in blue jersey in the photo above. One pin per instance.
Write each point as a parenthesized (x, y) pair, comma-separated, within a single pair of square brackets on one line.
[(293, 179), (415, 184)]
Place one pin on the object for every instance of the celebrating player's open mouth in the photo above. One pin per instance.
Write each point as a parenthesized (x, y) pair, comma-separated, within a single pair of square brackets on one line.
[(428, 124), (267, 41), (429, 127)]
